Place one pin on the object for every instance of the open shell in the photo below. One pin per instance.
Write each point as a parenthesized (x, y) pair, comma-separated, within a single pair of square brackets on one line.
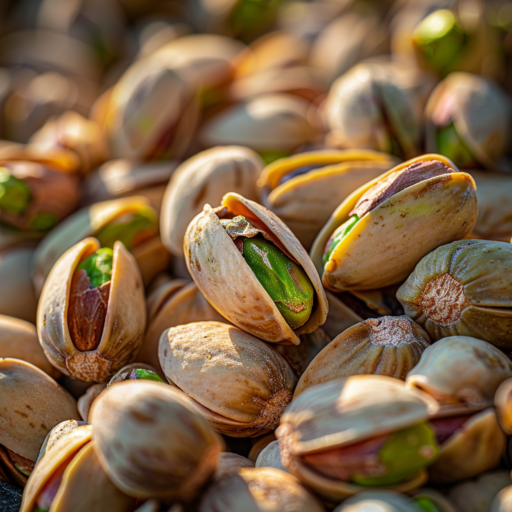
[(385, 245), (125, 321), (228, 283)]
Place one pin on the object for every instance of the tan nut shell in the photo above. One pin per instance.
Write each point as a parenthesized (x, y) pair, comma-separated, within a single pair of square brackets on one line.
[(461, 373), (204, 179), (304, 203), (478, 446), (241, 384), (258, 489), (229, 284), (270, 457), (503, 501), (382, 346), (32, 403), (231, 463), (381, 501), (404, 228), (503, 404), (152, 441), (125, 321)]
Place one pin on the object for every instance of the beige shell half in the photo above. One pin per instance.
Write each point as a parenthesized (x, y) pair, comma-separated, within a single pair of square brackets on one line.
[(204, 179), (141, 428), (503, 501), (229, 284), (381, 501), (461, 373), (242, 384), (32, 403), (477, 447), (304, 203), (503, 404), (404, 228), (125, 321)]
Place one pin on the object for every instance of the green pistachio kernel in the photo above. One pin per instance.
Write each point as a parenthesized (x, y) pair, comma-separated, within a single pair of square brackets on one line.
[(249, 17), (43, 221), (130, 230), (451, 145), (15, 194), (143, 374), (272, 155), (338, 236), (37, 509), (98, 267), (285, 281), (405, 453), (426, 504)]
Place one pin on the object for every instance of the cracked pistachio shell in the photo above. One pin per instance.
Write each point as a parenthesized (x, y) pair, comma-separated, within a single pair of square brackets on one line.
[(503, 404), (241, 384), (342, 413), (259, 489), (57, 433), (305, 202), (477, 447), (480, 112), (381, 346), (152, 440), (503, 501), (174, 303), (463, 289), (125, 320), (381, 501), (205, 178), (403, 228), (84, 485), (32, 403), (228, 283), (88, 222), (461, 373)]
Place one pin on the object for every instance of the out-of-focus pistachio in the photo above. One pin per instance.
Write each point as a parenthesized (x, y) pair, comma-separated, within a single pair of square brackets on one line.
[(231, 463), (431, 500), (32, 403), (382, 346), (241, 384), (253, 270), (259, 444), (367, 430), (270, 457), (92, 315), (388, 501), (266, 489), (339, 317), (205, 178), (295, 188), (503, 403), (141, 428), (469, 120), (503, 501), (462, 289), (398, 217)]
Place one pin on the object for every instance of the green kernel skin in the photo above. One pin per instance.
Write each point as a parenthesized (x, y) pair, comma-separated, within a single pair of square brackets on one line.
[(143, 374), (450, 145), (426, 504), (402, 455), (285, 281), (15, 194), (98, 266), (339, 235)]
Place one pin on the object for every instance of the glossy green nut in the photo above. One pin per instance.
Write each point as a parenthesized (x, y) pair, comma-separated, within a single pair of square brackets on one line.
[(426, 504), (338, 236), (285, 281), (451, 145), (405, 453), (15, 195), (98, 267), (141, 373)]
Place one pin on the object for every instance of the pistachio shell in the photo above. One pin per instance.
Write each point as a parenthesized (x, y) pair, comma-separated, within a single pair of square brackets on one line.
[(503, 501), (385, 501), (503, 403), (270, 457), (475, 279), (461, 373), (228, 283), (241, 384), (57, 433), (302, 202), (383, 346), (339, 316), (259, 444), (421, 217), (84, 403), (125, 319), (205, 178), (231, 463), (141, 428)]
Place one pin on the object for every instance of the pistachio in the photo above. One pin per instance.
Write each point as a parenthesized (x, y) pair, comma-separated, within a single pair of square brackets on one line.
[(503, 403), (231, 463), (390, 501), (503, 500), (270, 457), (135, 371)]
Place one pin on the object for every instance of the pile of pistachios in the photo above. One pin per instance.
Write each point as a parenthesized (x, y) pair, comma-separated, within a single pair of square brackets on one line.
[(255, 256)]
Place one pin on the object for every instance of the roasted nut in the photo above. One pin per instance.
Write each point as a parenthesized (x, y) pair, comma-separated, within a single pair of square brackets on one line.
[(241, 384)]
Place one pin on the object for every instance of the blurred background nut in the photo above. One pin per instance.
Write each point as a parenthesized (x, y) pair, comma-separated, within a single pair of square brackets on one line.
[(152, 441), (503, 500), (503, 403), (270, 457), (388, 501), (231, 463), (241, 384)]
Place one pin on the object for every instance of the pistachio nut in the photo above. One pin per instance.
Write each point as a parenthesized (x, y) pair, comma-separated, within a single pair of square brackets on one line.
[(304, 189), (174, 303), (258, 489), (342, 436), (205, 178), (241, 384), (141, 428), (92, 316), (503, 404), (131, 220), (503, 501), (273, 125), (32, 404), (231, 463), (382, 346), (431, 500), (385, 501), (84, 402), (399, 217), (462, 289), (468, 119), (259, 444), (270, 457), (57, 482), (253, 270)]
